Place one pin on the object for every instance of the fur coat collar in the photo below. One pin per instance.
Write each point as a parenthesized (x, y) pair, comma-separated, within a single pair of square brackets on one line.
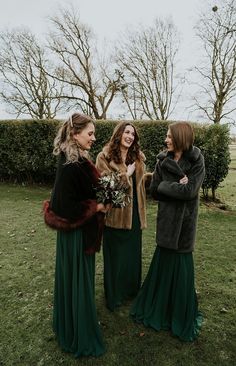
[(121, 218)]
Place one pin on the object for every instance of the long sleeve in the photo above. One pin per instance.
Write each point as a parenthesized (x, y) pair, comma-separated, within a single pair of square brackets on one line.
[(73, 196), (156, 180), (75, 208), (185, 191), (102, 164)]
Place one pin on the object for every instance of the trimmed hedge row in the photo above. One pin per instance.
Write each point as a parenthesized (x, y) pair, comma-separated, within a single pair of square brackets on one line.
[(26, 148), (26, 151)]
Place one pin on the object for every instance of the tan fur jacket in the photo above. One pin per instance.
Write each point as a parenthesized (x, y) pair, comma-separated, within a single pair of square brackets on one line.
[(121, 218)]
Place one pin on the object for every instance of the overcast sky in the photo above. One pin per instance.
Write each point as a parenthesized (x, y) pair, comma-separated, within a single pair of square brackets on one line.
[(108, 18), (102, 15)]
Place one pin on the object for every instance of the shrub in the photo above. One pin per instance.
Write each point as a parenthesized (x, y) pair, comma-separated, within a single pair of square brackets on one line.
[(104, 131), (26, 148), (152, 140), (213, 141)]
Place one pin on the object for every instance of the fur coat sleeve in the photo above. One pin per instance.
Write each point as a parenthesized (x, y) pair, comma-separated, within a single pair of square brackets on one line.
[(195, 172), (177, 203), (106, 167)]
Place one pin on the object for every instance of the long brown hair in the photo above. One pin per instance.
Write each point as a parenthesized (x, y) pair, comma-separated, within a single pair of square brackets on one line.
[(182, 135), (64, 140), (114, 152)]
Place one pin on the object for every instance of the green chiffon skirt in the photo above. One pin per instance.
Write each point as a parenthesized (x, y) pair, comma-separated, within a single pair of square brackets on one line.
[(167, 299), (122, 253), (74, 313)]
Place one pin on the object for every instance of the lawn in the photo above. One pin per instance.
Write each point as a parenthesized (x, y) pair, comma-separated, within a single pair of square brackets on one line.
[(227, 190), (27, 273)]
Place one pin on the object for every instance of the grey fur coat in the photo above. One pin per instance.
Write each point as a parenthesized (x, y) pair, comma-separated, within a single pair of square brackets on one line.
[(177, 203)]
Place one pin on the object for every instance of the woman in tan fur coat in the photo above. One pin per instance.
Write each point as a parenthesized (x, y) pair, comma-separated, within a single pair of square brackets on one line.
[(122, 239)]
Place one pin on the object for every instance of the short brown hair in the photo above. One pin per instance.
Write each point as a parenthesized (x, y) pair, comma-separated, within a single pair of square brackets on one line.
[(182, 135)]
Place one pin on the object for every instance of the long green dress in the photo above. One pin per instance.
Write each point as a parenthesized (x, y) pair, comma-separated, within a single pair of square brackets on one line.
[(122, 252), (167, 299), (74, 314)]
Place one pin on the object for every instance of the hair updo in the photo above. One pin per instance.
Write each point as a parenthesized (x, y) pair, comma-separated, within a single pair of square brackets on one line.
[(64, 140)]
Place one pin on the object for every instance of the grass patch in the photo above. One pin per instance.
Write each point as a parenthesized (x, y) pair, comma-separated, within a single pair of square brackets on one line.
[(233, 156), (226, 192), (27, 273)]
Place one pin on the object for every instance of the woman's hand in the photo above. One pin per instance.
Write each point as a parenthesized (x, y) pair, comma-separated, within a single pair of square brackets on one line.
[(184, 180), (130, 169), (103, 208)]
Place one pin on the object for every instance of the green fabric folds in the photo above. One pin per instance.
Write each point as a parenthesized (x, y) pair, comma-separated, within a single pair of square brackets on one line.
[(74, 314), (122, 254), (167, 299)]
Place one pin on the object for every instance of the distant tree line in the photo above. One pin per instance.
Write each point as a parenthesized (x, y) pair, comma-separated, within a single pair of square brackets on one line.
[(138, 73)]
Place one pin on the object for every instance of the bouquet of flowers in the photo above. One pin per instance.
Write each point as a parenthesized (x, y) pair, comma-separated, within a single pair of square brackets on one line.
[(111, 190)]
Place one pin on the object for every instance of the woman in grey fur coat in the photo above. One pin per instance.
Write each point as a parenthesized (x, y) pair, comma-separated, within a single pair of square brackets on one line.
[(167, 299)]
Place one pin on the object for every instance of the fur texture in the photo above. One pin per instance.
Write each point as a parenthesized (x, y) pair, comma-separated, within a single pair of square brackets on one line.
[(59, 223), (121, 218), (73, 202), (178, 203)]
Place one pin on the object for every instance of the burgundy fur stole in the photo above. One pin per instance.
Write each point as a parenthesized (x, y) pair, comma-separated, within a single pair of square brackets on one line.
[(91, 223), (59, 223)]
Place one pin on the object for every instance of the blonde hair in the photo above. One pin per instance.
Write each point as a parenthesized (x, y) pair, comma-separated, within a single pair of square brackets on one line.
[(182, 135), (64, 140)]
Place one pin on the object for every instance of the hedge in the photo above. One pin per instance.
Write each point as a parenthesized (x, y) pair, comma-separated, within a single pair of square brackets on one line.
[(26, 151), (214, 143), (26, 148)]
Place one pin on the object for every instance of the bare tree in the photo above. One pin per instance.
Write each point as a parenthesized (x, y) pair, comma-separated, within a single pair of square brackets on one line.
[(90, 82), (216, 30), (146, 60), (25, 86)]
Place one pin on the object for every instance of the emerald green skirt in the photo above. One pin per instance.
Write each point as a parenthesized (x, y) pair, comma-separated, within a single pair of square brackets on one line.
[(74, 313), (122, 254), (167, 299)]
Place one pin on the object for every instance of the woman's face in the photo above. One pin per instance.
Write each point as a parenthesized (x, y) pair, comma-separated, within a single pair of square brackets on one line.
[(127, 137), (86, 137), (169, 142)]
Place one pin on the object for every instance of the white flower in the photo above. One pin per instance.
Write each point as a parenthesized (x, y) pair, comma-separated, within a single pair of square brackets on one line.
[(111, 190)]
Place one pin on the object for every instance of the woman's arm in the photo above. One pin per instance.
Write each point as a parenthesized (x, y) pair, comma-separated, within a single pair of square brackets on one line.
[(155, 181), (73, 202), (189, 190), (102, 164)]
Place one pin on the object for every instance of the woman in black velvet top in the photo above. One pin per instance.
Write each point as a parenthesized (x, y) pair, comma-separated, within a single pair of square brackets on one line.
[(78, 218)]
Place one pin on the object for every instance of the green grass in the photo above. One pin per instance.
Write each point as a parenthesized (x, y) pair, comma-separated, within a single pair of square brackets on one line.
[(27, 273), (226, 192), (233, 156)]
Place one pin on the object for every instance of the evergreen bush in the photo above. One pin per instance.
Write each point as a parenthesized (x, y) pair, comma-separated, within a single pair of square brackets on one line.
[(26, 148), (214, 140), (26, 151)]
